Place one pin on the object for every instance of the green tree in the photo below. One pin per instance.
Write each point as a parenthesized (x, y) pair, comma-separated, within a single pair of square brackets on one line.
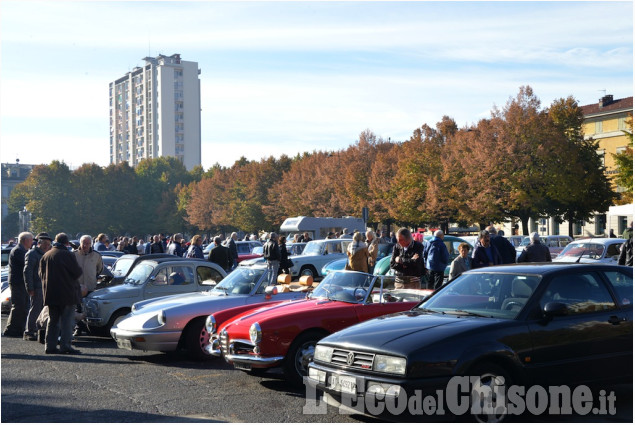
[(624, 162), (47, 194), (581, 168)]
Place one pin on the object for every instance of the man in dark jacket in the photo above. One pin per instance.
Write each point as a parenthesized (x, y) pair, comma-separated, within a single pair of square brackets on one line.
[(34, 283), (59, 272), (504, 247), (485, 254), (626, 253), (175, 246), (407, 261), (535, 252), (233, 251), (271, 254), (19, 295), (219, 254), (156, 247)]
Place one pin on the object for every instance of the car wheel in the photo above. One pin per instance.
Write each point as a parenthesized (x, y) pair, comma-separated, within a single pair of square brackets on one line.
[(196, 339), (299, 356), (308, 271), (116, 317), (491, 376)]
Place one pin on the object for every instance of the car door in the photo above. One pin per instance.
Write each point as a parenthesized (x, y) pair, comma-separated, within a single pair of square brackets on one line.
[(170, 280), (581, 345), (622, 284)]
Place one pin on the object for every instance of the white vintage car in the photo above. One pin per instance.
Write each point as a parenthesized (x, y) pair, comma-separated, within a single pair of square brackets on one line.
[(594, 250), (171, 323), (316, 255)]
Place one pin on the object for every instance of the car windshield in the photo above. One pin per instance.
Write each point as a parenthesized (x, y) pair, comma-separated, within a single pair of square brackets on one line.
[(122, 266), (240, 281), (139, 274), (350, 287), (499, 295), (313, 248), (576, 250)]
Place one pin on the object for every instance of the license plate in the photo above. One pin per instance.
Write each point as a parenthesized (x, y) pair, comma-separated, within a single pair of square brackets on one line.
[(242, 366), (124, 343), (344, 384)]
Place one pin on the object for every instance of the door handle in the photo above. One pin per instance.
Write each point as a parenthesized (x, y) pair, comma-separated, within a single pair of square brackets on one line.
[(614, 320)]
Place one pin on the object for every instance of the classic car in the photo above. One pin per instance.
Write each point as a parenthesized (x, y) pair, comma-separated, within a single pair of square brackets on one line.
[(595, 250), (5, 301), (316, 255), (150, 278), (285, 334), (175, 322), (122, 267), (293, 248), (546, 324)]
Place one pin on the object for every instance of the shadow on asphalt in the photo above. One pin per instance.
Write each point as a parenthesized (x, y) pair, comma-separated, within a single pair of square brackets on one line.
[(49, 414)]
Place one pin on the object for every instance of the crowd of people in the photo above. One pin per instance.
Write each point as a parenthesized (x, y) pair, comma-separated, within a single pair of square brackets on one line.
[(48, 281), (48, 278)]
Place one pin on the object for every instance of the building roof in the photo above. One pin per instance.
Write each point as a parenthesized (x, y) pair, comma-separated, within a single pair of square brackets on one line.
[(608, 105)]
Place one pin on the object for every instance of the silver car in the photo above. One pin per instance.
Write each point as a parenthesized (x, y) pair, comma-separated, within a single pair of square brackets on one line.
[(593, 250), (177, 322), (151, 278)]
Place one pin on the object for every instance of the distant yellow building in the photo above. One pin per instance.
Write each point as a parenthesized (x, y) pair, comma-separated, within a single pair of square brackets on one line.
[(605, 122)]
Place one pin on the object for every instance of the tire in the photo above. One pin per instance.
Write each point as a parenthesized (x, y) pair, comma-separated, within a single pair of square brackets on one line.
[(116, 317), (490, 374), (196, 338), (308, 271), (299, 355)]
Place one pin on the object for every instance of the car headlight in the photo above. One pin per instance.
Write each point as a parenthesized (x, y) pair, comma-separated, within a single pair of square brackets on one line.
[(389, 364), (161, 318), (323, 353), (255, 333), (210, 324)]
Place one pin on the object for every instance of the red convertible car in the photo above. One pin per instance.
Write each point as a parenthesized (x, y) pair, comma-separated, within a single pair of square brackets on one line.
[(286, 334)]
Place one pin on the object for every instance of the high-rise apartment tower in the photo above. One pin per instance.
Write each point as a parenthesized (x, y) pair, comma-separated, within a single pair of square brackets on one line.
[(155, 110)]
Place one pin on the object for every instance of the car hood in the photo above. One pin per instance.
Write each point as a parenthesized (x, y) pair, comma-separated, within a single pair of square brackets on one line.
[(114, 292), (399, 332), (303, 308), (192, 301)]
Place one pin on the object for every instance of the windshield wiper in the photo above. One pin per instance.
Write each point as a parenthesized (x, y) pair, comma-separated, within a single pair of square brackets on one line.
[(427, 310), (465, 313)]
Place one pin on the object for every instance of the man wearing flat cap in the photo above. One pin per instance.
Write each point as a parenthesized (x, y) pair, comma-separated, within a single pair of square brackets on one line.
[(34, 283)]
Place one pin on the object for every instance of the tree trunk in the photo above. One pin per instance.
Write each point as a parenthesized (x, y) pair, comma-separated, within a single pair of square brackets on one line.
[(525, 223)]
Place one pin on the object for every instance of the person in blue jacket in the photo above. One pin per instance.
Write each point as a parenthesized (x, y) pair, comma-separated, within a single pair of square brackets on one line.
[(437, 257)]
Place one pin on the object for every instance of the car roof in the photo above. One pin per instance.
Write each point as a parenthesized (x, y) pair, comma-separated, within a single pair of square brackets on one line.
[(539, 268), (600, 240)]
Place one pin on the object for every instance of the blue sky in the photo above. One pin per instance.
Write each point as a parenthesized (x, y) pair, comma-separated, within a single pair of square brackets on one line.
[(289, 77)]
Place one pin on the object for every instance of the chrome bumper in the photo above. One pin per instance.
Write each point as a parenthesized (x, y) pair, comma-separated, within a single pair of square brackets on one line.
[(254, 360)]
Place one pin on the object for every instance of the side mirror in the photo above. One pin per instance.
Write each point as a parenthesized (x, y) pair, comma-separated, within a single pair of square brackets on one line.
[(270, 291), (554, 309)]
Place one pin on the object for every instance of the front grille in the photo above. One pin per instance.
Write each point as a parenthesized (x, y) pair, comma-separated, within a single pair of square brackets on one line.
[(223, 342), (355, 359)]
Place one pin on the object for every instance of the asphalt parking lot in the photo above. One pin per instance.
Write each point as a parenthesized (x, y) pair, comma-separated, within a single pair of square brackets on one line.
[(107, 384)]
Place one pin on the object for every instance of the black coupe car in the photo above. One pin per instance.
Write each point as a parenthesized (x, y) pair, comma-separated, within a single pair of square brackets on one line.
[(524, 325)]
